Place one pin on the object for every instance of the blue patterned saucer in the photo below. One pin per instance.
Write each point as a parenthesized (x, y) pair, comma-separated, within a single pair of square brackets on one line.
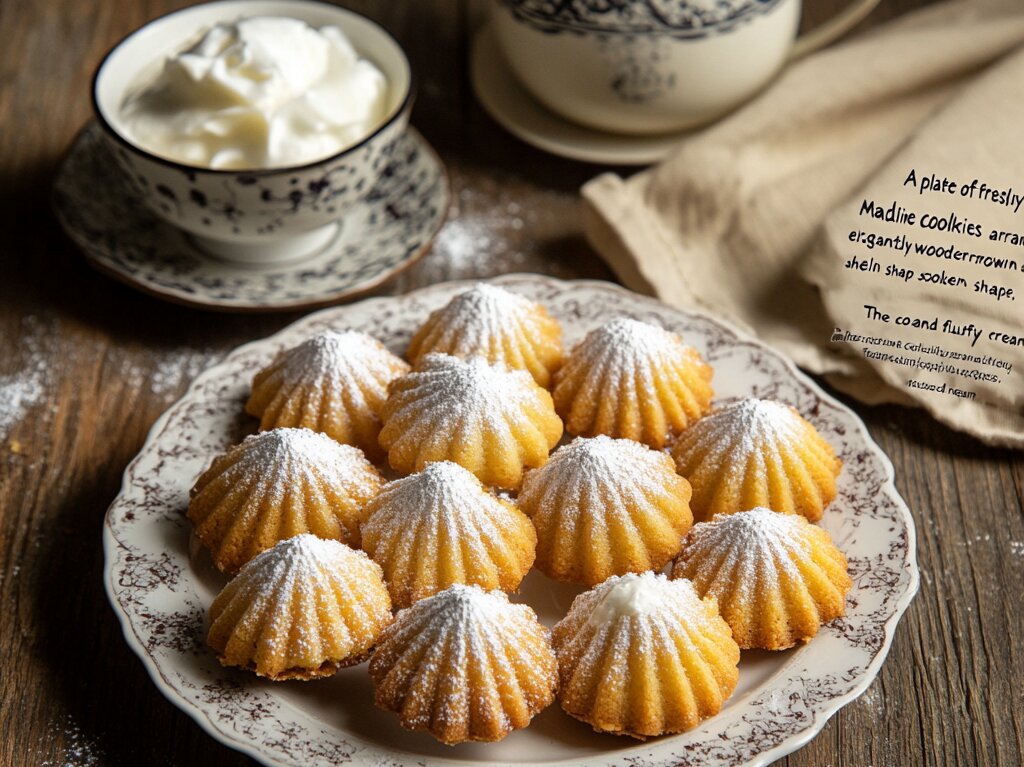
[(381, 236)]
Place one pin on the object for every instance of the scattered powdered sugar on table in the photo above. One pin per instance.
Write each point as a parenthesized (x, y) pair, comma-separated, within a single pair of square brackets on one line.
[(474, 235), (177, 369), (27, 388), (23, 390), (18, 394), (79, 750), (171, 373), (490, 229)]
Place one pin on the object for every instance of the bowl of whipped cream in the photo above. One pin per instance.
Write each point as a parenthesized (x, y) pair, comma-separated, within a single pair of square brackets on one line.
[(254, 125)]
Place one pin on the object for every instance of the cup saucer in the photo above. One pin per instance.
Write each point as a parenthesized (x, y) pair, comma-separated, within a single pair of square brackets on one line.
[(382, 235), (515, 110)]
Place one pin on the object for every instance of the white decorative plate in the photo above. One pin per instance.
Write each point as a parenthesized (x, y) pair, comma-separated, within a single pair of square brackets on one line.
[(160, 590), (384, 234), (521, 115)]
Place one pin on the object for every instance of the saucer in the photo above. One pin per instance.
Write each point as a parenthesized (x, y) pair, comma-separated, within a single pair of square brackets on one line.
[(382, 235), (515, 110)]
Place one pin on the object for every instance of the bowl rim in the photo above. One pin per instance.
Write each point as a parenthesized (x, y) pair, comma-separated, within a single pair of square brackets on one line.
[(403, 108)]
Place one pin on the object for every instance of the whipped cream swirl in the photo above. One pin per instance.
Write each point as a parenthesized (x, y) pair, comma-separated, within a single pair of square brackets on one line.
[(263, 92)]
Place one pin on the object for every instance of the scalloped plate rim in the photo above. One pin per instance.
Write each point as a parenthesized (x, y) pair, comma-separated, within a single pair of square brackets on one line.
[(790, 744)]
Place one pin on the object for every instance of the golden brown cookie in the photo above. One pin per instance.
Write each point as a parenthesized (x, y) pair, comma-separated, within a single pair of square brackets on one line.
[(464, 664), (757, 452), (439, 527), (605, 507), (634, 380), (333, 383), (277, 484), (488, 419), (641, 655), (777, 578), (301, 610), (494, 323)]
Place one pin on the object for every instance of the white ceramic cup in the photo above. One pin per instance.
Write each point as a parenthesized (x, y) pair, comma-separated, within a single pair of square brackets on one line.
[(654, 66), (262, 215)]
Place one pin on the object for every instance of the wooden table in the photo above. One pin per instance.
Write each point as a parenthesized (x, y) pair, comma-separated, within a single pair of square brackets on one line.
[(86, 366)]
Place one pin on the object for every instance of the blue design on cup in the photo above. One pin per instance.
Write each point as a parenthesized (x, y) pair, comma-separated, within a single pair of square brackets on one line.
[(679, 19)]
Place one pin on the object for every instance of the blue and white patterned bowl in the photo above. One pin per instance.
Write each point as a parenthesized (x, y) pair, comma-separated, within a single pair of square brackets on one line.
[(260, 215)]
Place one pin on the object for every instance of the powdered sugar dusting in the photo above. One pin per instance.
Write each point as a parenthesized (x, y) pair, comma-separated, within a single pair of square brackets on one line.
[(301, 571), (79, 749), (612, 470), (742, 428), (490, 322), (635, 613), (443, 495), (25, 389), (281, 459), (482, 313), (466, 625), (452, 390), (465, 641), (745, 551), (301, 563), (632, 379), (467, 609), (344, 358), (175, 370), (18, 394), (629, 345), (444, 513)]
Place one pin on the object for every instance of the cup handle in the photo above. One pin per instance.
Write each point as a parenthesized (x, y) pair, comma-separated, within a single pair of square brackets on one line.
[(832, 30)]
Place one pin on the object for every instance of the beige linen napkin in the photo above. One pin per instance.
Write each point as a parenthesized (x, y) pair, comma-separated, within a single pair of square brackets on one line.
[(732, 222)]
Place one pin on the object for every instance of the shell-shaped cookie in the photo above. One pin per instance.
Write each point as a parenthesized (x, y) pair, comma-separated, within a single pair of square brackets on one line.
[(494, 323), (301, 610), (277, 484), (333, 383), (641, 655), (440, 527), (634, 380), (757, 452), (488, 419), (605, 507), (464, 664), (777, 578)]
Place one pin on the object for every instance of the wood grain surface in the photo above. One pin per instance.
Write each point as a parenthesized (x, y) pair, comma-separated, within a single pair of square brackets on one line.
[(87, 365)]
